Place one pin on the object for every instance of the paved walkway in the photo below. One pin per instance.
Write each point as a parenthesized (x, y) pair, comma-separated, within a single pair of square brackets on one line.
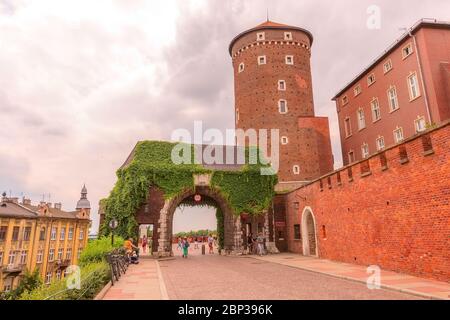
[(141, 282), (390, 280)]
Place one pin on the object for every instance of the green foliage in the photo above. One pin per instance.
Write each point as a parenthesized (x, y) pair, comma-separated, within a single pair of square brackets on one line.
[(29, 282), (198, 233), (96, 250), (246, 190), (94, 276), (220, 228)]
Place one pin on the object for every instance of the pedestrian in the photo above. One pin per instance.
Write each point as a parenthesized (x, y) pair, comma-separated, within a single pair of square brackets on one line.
[(210, 244), (196, 243), (180, 244), (260, 242), (144, 244), (250, 243), (185, 248)]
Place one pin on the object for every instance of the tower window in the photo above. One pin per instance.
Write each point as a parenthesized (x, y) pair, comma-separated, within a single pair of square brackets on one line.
[(371, 79), (387, 66), (361, 119), (413, 86), (241, 67), (288, 36), (282, 85), (351, 156), (407, 51), (357, 90), (344, 100), (347, 127), (392, 97), (290, 60), (282, 106), (284, 140), (296, 169), (376, 113), (261, 60), (260, 36)]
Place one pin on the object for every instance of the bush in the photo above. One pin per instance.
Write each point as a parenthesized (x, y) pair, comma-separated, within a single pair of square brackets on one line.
[(96, 250), (29, 282), (94, 276)]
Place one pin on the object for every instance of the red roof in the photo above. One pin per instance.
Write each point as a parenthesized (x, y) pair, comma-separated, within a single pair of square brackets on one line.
[(269, 23)]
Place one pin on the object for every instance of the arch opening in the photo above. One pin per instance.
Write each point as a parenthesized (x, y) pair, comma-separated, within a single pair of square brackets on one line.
[(309, 234)]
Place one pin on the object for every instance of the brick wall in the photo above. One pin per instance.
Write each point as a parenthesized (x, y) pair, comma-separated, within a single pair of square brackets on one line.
[(392, 210)]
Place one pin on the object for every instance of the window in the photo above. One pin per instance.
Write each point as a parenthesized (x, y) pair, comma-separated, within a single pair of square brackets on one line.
[(357, 90), (420, 124), (281, 85), (297, 234), (15, 235), (8, 284), (62, 233), (290, 60), (392, 97), (296, 169), (288, 36), (58, 274), (81, 234), (260, 36), (365, 150), (3, 231), (324, 232), (380, 143), (413, 85), (348, 127), (241, 67), (48, 278), (398, 135), (51, 255), (387, 66), (370, 79), (261, 60), (344, 100), (23, 257), (42, 234), (69, 253), (407, 51), (282, 106), (79, 252), (284, 140), (11, 257), (26, 234), (70, 235), (53, 234), (40, 256), (376, 113), (361, 119), (351, 156), (60, 253)]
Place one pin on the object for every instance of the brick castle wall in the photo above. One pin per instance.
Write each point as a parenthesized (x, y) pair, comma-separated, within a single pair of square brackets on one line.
[(392, 210)]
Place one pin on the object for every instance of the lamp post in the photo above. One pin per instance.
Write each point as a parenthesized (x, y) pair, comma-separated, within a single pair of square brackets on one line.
[(113, 225)]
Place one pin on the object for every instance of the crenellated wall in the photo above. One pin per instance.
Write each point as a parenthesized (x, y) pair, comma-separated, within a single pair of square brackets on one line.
[(391, 210)]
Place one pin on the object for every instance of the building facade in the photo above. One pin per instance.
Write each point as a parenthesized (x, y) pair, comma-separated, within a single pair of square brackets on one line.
[(273, 90), (42, 237), (405, 91)]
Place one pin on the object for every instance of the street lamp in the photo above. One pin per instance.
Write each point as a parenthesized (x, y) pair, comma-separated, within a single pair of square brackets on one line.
[(113, 224)]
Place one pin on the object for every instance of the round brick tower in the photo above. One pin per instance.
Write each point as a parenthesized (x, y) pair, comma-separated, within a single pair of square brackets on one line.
[(273, 90)]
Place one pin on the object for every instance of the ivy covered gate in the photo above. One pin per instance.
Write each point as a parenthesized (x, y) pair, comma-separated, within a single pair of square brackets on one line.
[(151, 186)]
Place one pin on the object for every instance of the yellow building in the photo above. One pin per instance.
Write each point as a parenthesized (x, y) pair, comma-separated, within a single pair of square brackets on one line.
[(40, 237)]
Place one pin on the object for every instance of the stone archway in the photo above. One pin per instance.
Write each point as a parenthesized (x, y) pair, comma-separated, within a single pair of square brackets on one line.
[(309, 234), (232, 224)]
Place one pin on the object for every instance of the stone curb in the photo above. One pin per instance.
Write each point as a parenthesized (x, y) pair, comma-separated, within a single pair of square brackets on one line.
[(383, 286), (162, 285), (103, 292)]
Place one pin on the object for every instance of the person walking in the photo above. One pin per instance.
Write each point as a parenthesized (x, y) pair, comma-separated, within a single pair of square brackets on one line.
[(180, 244), (260, 242), (144, 244), (196, 243), (210, 244), (250, 243), (185, 248)]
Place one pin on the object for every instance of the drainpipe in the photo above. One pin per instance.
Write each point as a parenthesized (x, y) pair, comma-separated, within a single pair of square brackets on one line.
[(421, 76)]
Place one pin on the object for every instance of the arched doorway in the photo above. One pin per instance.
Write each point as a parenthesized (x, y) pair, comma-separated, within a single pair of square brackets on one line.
[(309, 237), (231, 238)]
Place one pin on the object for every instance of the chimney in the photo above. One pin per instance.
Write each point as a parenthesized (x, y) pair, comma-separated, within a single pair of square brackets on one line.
[(49, 204), (58, 206), (26, 202), (14, 200)]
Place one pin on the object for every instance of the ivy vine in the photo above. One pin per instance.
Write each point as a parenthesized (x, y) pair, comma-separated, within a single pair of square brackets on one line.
[(246, 190)]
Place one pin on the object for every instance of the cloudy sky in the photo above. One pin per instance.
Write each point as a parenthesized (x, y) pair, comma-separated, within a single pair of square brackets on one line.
[(82, 81)]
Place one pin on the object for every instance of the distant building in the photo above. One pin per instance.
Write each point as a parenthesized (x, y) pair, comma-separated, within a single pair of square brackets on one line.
[(403, 92), (40, 237)]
